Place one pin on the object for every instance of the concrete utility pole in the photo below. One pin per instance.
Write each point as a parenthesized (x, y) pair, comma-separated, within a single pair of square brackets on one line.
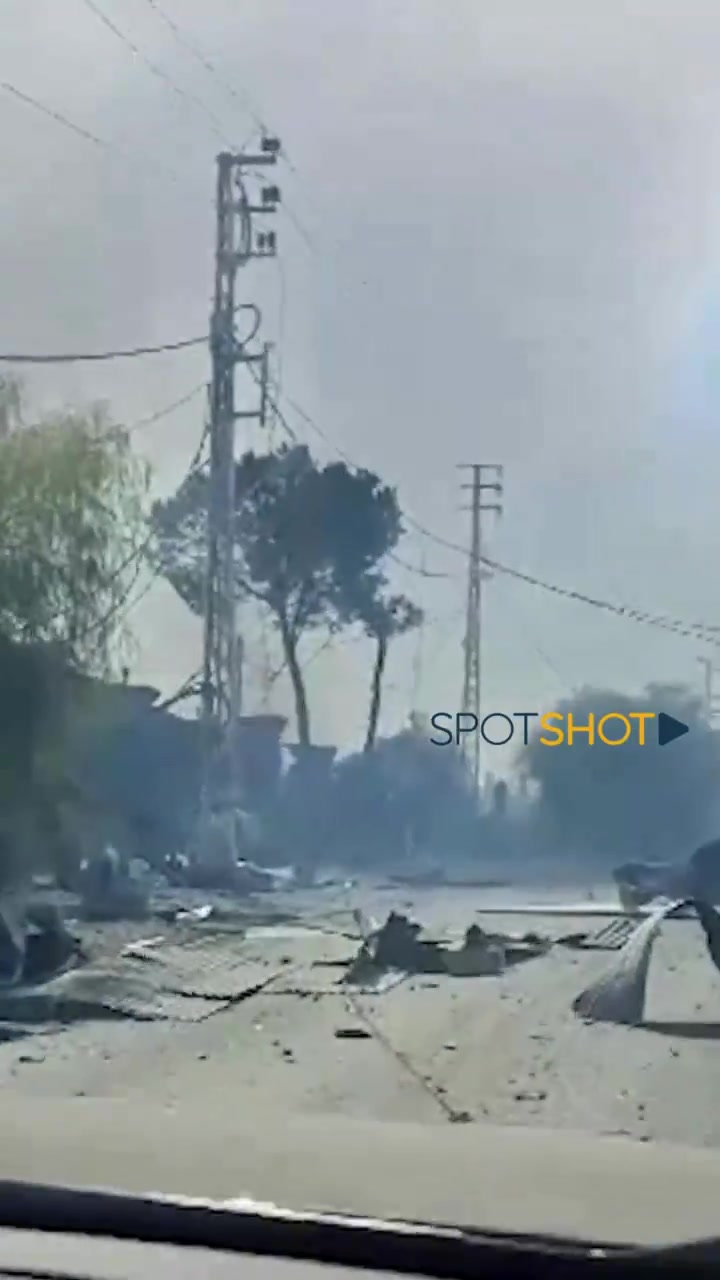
[(472, 645), (236, 243), (711, 701), (418, 660)]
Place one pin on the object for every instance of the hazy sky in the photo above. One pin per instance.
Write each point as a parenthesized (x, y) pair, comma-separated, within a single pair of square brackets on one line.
[(514, 213)]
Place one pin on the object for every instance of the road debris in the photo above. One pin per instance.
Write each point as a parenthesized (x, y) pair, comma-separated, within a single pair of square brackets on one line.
[(610, 937), (35, 942), (396, 947), (618, 996)]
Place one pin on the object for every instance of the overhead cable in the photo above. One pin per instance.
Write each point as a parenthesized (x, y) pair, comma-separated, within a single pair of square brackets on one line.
[(81, 132), (83, 357), (186, 43), (158, 72), (709, 633)]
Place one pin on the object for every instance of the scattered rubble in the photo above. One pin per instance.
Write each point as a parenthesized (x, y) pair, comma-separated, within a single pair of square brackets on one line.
[(397, 948), (35, 943), (618, 996), (610, 937), (438, 878)]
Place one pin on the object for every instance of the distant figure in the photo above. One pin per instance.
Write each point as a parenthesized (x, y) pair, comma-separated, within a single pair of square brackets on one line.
[(500, 798), (102, 873), (176, 868), (110, 892), (703, 872), (12, 943), (710, 924)]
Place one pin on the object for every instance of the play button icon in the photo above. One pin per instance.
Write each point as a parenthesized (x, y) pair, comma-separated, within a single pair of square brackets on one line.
[(669, 729)]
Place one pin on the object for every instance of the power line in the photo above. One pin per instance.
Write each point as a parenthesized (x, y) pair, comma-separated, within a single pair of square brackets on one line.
[(678, 626), (81, 132), (166, 411), (184, 94), (185, 42), (419, 569), (77, 357), (273, 404), (243, 99), (158, 72), (120, 609), (526, 629), (152, 418), (710, 633), (56, 116)]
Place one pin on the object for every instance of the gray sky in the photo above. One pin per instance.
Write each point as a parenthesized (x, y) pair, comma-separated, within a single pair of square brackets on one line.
[(514, 215)]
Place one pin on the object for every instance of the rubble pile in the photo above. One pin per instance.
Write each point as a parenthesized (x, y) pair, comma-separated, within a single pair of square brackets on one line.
[(618, 995), (397, 947), (35, 943)]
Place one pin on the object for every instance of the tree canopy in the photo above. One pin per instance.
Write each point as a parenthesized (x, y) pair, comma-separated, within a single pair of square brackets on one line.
[(383, 618), (310, 543), (72, 508)]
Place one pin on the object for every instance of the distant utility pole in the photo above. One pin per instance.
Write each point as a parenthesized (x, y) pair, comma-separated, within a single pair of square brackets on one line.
[(472, 645), (711, 701), (417, 668), (236, 243)]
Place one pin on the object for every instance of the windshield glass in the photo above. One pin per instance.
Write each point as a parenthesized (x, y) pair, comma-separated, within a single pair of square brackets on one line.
[(360, 756)]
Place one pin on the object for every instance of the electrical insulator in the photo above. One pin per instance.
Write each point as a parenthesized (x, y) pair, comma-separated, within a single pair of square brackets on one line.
[(270, 146), (271, 195), (266, 242)]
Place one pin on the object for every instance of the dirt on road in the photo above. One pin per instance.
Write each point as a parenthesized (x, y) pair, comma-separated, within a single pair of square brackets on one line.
[(501, 1050)]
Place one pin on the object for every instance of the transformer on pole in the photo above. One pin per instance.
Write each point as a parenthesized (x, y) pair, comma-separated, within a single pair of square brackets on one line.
[(472, 645), (236, 242)]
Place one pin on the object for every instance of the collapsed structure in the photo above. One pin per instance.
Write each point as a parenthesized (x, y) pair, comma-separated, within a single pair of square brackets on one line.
[(618, 995)]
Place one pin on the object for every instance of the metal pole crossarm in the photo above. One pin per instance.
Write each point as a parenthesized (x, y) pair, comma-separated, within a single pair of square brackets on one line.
[(471, 689), (241, 160), (256, 357), (261, 208), (236, 243)]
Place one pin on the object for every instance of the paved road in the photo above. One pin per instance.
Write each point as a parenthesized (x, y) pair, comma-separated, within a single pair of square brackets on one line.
[(505, 1051)]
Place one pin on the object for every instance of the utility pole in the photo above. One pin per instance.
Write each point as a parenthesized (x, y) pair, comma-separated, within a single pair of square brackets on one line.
[(711, 701), (236, 243), (472, 645), (417, 668)]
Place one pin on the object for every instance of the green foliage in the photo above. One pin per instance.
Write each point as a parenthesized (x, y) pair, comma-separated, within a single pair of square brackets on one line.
[(630, 801), (383, 618), (310, 540), (303, 533), (72, 507)]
